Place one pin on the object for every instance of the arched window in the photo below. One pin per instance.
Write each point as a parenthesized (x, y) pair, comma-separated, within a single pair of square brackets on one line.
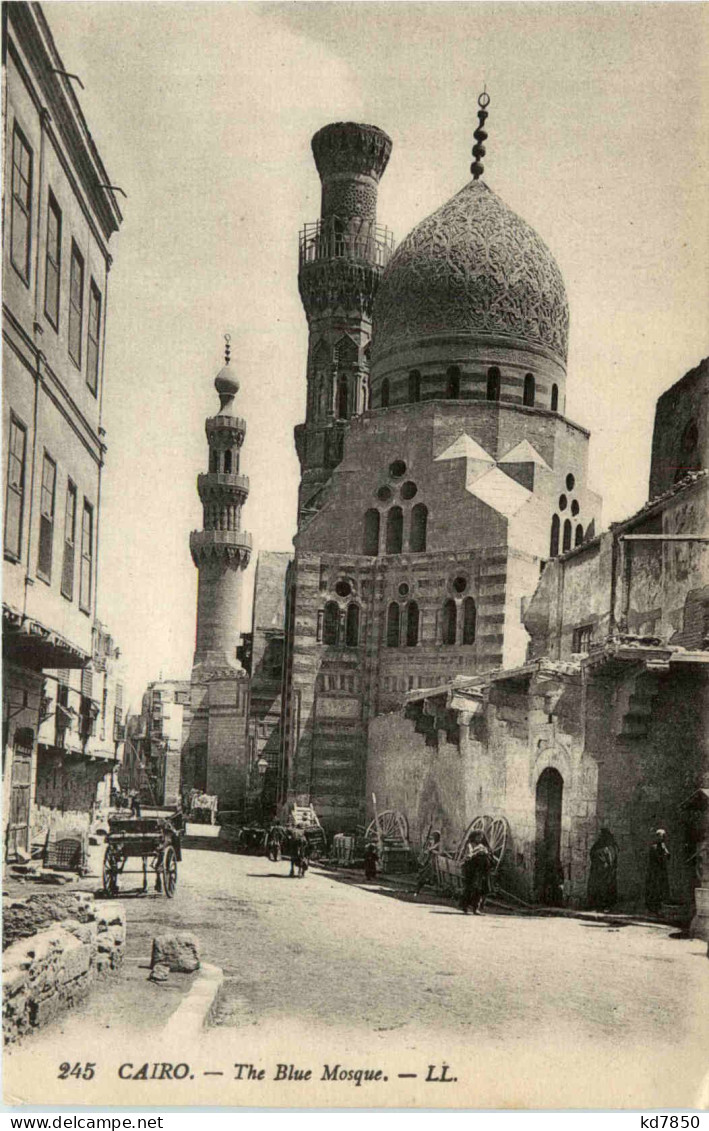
[(393, 625), (371, 533), (555, 398), (346, 352), (342, 399), (384, 395), (417, 533), (453, 383), (450, 616), (414, 386), (554, 541), (352, 626), (494, 381), (469, 619), (331, 621), (529, 390), (579, 535), (567, 536), (395, 531), (412, 624), (213, 461), (227, 462)]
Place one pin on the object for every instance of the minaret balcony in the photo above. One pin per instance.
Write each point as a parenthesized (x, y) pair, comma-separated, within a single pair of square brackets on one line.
[(220, 487), (233, 428), (233, 546), (367, 243)]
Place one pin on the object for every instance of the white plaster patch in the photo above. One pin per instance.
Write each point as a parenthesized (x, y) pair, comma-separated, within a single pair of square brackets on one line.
[(465, 447), (498, 491), (524, 452)]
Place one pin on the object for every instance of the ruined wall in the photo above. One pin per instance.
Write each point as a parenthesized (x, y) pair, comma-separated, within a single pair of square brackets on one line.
[(54, 947), (680, 440)]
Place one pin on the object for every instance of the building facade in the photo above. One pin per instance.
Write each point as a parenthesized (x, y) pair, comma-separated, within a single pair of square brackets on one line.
[(215, 753), (59, 215), (155, 739), (456, 475), (606, 724)]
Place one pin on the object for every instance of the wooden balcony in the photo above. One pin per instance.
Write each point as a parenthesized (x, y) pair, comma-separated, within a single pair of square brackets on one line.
[(359, 242)]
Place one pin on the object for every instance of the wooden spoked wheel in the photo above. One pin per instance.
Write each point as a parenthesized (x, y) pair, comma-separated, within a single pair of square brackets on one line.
[(111, 868), (495, 831), (389, 825), (169, 871)]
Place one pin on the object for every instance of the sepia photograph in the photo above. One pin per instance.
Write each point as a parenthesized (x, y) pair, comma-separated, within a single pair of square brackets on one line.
[(355, 385)]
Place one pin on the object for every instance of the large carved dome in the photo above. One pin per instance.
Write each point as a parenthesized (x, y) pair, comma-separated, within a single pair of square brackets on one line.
[(472, 268)]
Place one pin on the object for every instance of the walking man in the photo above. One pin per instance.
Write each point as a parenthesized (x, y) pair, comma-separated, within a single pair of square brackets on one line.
[(476, 874), (657, 884)]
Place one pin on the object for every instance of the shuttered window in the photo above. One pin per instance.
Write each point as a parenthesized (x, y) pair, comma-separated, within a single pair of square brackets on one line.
[(69, 542), (21, 213), (87, 551), (76, 303), (92, 344), (15, 494), (52, 273), (46, 517)]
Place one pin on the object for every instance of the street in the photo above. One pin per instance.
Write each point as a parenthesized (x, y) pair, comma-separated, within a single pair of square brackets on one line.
[(530, 1011)]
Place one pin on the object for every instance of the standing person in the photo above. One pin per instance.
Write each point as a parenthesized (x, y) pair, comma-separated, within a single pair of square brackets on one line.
[(657, 884), (298, 845), (603, 874), (371, 857), (273, 845), (426, 871), (476, 874)]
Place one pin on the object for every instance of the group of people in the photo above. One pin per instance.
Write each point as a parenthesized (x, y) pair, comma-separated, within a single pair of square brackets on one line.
[(603, 874), (292, 841)]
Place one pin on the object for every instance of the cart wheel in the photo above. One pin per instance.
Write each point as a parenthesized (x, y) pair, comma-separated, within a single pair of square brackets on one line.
[(111, 868), (169, 871)]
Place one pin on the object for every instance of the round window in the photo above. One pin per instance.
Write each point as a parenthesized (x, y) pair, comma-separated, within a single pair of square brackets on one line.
[(343, 589), (408, 490), (563, 502), (397, 469), (575, 508), (570, 482), (384, 493), (460, 584), (403, 589)]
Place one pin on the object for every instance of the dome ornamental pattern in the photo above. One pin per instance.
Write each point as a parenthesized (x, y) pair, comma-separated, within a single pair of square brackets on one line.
[(473, 267)]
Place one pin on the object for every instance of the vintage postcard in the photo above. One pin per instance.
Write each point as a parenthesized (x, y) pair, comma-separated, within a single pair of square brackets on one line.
[(356, 555)]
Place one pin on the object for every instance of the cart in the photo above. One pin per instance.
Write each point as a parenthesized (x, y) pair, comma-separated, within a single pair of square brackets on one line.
[(448, 869), (154, 840)]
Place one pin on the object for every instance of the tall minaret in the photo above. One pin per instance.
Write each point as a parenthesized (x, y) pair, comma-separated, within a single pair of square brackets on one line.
[(221, 550), (342, 256)]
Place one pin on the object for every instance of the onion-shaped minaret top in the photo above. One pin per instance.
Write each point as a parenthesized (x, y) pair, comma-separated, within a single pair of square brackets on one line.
[(226, 382)]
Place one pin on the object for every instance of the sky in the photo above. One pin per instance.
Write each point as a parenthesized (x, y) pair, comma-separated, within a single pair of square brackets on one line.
[(203, 114)]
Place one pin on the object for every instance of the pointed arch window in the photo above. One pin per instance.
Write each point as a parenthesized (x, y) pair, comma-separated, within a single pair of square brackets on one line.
[(469, 620), (342, 399), (419, 525), (567, 536), (393, 618), (453, 383), (554, 540), (412, 624), (449, 625), (494, 381), (384, 394), (371, 533), (346, 352), (227, 462), (352, 626), (529, 390), (331, 622), (555, 398), (414, 386), (579, 535)]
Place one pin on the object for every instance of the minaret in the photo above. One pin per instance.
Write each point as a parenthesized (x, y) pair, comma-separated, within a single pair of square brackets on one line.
[(342, 256), (221, 550)]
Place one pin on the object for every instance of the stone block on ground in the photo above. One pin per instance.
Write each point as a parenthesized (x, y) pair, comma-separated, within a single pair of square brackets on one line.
[(179, 950), (159, 973)]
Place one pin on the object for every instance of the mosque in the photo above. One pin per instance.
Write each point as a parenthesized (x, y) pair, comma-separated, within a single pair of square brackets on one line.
[(455, 634)]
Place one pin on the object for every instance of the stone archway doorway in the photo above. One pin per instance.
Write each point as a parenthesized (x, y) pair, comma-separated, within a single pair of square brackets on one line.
[(548, 873)]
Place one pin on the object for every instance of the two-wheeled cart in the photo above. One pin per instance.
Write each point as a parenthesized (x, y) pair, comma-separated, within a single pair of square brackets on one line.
[(154, 840)]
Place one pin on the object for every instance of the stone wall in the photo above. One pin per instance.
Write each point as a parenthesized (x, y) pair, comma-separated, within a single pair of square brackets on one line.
[(54, 947)]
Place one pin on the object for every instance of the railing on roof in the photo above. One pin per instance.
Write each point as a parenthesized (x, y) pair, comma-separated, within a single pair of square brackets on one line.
[(360, 241)]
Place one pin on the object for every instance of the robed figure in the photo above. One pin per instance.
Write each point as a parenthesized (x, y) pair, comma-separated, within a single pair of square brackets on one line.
[(477, 869), (603, 876), (657, 883)]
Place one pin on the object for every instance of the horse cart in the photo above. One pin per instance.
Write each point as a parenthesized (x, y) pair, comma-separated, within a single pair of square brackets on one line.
[(448, 868), (152, 839)]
